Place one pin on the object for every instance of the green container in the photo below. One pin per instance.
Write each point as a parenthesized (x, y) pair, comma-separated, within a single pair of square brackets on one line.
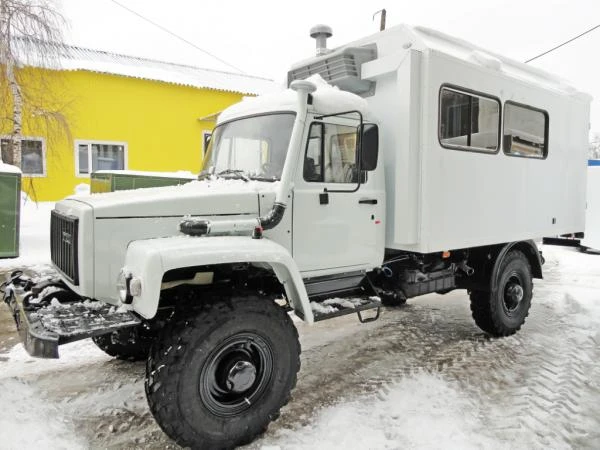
[(10, 204), (110, 181)]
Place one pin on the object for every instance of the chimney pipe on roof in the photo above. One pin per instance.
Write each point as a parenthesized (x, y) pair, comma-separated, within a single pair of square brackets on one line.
[(320, 33)]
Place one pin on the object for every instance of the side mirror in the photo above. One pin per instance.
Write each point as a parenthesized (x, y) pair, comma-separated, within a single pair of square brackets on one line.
[(369, 146)]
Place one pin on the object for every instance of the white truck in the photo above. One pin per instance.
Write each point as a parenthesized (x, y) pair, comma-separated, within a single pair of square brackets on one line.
[(405, 163)]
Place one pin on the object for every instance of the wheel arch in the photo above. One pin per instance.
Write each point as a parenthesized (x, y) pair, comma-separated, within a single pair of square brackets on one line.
[(151, 259), (487, 261), (527, 248)]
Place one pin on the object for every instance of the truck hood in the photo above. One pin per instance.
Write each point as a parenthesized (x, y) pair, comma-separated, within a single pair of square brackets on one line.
[(219, 197)]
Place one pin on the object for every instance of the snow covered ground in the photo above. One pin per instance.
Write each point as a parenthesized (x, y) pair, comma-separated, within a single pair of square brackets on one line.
[(422, 376)]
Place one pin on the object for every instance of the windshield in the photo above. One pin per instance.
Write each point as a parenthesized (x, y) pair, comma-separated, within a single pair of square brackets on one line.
[(250, 148)]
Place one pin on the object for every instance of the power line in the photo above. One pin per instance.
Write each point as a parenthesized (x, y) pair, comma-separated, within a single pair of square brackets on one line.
[(166, 30), (564, 43)]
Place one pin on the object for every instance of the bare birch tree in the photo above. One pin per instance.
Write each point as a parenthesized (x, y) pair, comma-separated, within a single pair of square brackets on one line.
[(30, 34)]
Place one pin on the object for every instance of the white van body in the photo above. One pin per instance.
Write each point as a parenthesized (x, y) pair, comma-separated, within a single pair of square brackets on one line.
[(591, 239), (440, 198)]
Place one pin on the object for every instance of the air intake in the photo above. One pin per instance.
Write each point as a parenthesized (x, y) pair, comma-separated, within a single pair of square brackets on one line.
[(340, 68)]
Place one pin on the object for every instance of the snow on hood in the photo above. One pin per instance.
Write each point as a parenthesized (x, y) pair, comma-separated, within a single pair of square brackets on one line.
[(7, 168), (327, 99), (206, 197)]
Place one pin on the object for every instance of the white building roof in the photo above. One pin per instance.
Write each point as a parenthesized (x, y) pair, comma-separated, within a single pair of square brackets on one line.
[(74, 58)]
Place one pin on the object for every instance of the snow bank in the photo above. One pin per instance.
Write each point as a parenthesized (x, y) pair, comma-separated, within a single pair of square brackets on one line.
[(34, 235), (18, 363), (29, 422), (82, 189), (422, 411), (176, 174)]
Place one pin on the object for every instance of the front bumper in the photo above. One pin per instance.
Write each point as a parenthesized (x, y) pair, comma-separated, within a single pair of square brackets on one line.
[(45, 323)]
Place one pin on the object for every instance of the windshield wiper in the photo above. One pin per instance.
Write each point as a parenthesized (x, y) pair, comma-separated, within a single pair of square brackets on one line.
[(240, 173)]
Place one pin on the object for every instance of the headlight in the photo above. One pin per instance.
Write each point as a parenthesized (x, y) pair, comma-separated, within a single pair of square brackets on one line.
[(128, 286), (135, 287), (122, 288)]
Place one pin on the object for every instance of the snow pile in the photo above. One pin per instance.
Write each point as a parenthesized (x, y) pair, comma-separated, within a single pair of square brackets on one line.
[(422, 411), (18, 363), (144, 173), (82, 189), (29, 422), (34, 235)]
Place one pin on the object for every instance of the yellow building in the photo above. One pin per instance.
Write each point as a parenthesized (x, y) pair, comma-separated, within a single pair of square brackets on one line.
[(122, 112)]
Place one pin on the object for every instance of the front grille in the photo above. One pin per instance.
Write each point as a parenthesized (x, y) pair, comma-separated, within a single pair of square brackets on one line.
[(63, 245)]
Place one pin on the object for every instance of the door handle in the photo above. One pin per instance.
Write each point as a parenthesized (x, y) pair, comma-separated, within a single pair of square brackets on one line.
[(368, 201)]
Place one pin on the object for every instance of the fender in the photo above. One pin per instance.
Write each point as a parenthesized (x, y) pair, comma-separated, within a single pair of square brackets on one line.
[(531, 252), (149, 259)]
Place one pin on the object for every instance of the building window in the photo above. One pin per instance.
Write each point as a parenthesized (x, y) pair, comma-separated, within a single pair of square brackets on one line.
[(469, 121), (91, 156), (33, 156), (331, 154), (525, 131)]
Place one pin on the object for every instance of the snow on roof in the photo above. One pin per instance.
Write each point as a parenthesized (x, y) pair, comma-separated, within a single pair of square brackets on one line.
[(74, 58), (327, 99)]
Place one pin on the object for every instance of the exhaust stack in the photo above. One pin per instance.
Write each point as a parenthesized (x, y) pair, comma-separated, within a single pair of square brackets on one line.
[(320, 33)]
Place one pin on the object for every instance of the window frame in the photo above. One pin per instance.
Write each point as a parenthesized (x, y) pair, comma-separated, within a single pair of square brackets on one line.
[(44, 173), (546, 130), (323, 125), (321, 151), (89, 142), (472, 93)]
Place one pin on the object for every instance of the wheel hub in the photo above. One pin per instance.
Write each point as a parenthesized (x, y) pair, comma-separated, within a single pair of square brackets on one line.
[(236, 374), (513, 295), (241, 376)]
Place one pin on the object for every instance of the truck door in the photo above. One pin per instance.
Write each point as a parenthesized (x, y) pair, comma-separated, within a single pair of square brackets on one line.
[(337, 220)]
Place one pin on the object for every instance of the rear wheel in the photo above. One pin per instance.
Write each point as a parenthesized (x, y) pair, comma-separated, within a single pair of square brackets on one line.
[(503, 311), (217, 378)]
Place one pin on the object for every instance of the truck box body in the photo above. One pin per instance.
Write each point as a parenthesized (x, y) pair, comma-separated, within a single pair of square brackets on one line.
[(452, 196), (592, 218)]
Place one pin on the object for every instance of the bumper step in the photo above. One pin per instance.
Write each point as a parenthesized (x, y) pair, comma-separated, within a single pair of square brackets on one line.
[(336, 307), (43, 328)]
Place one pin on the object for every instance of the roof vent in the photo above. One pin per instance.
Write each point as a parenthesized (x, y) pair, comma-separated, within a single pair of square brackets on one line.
[(320, 33)]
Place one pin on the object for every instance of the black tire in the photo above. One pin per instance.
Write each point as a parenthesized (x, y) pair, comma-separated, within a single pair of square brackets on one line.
[(192, 369), (503, 312), (393, 298), (131, 344)]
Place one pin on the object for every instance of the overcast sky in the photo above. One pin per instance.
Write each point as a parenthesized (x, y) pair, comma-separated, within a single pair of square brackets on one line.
[(264, 37)]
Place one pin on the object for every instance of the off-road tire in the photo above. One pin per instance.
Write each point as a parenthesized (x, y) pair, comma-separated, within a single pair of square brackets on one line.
[(490, 309), (393, 299), (185, 351), (130, 345)]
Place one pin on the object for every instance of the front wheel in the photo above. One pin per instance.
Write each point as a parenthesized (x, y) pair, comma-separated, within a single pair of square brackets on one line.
[(503, 311), (217, 378)]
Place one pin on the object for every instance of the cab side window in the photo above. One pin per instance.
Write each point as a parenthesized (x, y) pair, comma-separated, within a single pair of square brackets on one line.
[(331, 154)]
